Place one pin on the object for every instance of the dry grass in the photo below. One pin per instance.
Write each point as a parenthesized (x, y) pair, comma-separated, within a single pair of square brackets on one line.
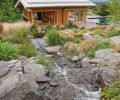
[(1, 28), (117, 49), (8, 27), (70, 46), (82, 47), (86, 44)]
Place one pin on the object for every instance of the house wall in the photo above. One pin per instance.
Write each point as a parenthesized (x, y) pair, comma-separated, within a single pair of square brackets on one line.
[(60, 15)]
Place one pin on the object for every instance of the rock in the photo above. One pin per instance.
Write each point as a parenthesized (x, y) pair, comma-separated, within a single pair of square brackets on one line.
[(4, 68), (85, 62), (109, 64), (42, 79), (31, 60), (59, 54), (115, 39), (8, 84), (87, 36), (37, 71), (75, 58), (81, 56), (53, 83), (48, 56), (43, 87), (53, 49)]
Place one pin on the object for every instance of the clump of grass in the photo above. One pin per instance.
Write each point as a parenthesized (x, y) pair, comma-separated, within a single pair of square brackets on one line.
[(7, 51), (16, 26), (117, 48), (27, 50), (54, 38), (43, 61), (76, 40), (101, 45), (20, 37), (113, 32), (112, 92)]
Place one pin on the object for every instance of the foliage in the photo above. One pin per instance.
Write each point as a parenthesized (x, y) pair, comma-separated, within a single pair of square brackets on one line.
[(101, 45), (98, 31), (49, 27), (113, 32), (8, 13), (20, 37), (27, 50), (114, 10), (43, 61), (33, 29), (54, 38), (70, 24), (76, 40), (112, 92), (101, 9), (7, 51)]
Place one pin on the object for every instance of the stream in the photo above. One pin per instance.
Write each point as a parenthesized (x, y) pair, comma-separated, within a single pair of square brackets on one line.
[(75, 78)]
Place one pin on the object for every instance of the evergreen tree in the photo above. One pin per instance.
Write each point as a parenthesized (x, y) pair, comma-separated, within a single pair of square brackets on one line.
[(8, 13)]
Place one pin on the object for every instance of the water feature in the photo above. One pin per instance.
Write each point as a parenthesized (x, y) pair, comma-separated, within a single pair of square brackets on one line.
[(60, 72)]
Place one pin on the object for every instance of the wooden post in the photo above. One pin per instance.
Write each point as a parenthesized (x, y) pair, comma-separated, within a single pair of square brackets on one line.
[(85, 15), (65, 17), (59, 17), (32, 17)]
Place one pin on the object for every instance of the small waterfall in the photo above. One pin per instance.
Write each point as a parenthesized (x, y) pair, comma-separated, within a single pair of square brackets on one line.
[(61, 73)]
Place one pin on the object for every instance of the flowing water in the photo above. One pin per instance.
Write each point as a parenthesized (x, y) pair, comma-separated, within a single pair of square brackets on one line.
[(62, 73)]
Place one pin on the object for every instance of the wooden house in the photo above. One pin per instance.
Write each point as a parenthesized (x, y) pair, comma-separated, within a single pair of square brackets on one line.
[(54, 11)]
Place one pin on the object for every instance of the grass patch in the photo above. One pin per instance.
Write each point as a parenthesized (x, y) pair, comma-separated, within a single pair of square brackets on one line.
[(27, 50), (101, 45), (43, 61), (112, 92), (54, 38), (7, 51)]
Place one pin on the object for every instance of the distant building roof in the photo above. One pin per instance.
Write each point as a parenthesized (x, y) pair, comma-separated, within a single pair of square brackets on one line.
[(54, 3)]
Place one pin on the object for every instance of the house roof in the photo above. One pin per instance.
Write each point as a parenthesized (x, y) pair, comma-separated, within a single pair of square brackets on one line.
[(54, 3)]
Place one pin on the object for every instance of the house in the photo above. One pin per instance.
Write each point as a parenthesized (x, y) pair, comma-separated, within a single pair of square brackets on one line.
[(54, 11)]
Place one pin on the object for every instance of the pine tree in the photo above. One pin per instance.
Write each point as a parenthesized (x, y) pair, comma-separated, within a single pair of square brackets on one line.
[(8, 13)]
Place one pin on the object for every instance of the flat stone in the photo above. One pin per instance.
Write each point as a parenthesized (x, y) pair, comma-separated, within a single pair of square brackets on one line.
[(59, 54), (53, 49), (4, 68), (53, 83), (8, 84), (48, 56), (75, 58), (42, 79), (115, 39)]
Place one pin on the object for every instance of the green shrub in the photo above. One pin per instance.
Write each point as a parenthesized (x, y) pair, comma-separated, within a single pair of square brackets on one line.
[(54, 38), (20, 37), (33, 29), (113, 33), (112, 92), (70, 24), (7, 51), (27, 50), (76, 40), (43, 61), (49, 26), (101, 45)]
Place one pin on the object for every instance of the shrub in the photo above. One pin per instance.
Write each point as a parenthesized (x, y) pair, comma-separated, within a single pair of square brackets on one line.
[(101, 45), (113, 33), (20, 37), (86, 45), (43, 61), (54, 38), (76, 40), (49, 26), (33, 29), (112, 92), (70, 24), (7, 51), (98, 31), (27, 50)]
